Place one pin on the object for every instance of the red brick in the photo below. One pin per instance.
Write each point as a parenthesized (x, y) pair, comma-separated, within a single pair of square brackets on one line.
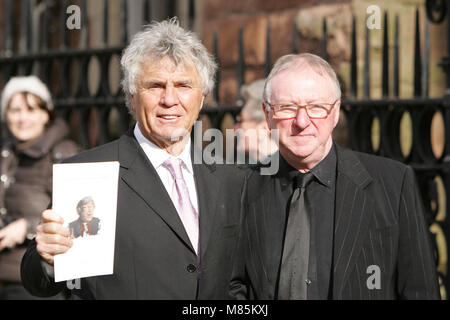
[(271, 5), (207, 39), (214, 9), (339, 18), (228, 87), (253, 74), (254, 37), (281, 34), (228, 36), (228, 83), (226, 39), (253, 16), (241, 6)]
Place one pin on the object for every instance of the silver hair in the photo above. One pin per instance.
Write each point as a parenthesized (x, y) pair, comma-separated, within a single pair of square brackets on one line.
[(84, 201), (253, 96), (161, 39), (299, 61)]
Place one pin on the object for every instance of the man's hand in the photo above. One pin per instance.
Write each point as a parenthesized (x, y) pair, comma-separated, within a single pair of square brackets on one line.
[(13, 234), (51, 237)]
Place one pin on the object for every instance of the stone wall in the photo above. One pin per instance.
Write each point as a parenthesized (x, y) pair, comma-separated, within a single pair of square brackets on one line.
[(226, 17)]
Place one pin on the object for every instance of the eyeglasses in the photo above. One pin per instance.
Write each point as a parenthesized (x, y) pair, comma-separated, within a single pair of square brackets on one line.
[(289, 111)]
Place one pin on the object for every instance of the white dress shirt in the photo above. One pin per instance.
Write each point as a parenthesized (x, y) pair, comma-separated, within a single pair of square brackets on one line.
[(157, 156)]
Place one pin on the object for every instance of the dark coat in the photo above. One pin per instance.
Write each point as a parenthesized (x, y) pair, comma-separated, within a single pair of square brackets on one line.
[(153, 256), (93, 227), (26, 185), (379, 221)]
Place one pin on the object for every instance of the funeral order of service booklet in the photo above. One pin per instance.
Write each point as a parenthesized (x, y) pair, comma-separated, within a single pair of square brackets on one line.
[(85, 196)]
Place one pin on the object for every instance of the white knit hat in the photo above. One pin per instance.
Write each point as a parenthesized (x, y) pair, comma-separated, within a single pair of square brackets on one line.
[(30, 84)]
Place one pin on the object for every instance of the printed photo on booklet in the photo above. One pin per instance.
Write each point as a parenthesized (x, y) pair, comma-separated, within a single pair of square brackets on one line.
[(85, 196)]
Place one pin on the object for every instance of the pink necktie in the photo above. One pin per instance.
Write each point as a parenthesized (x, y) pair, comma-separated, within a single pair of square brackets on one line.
[(182, 201)]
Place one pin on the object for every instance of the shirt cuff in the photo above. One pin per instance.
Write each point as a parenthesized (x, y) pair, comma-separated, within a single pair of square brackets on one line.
[(49, 269)]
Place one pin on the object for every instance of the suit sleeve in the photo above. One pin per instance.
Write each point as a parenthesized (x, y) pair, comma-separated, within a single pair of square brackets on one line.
[(34, 276), (238, 287), (417, 277)]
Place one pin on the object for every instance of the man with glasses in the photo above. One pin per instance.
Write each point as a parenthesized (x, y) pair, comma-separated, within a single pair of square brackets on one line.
[(331, 223)]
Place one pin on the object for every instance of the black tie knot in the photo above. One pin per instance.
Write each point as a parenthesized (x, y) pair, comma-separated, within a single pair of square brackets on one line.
[(302, 180)]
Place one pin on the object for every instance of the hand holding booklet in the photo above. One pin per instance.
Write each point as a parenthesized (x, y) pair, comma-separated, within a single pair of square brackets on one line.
[(85, 196)]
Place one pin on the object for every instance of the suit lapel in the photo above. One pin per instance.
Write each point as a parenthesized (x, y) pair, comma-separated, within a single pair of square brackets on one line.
[(138, 173), (354, 210), (275, 226), (208, 188), (273, 223)]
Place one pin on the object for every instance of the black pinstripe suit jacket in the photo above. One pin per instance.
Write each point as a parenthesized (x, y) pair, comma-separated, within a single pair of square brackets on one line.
[(379, 221)]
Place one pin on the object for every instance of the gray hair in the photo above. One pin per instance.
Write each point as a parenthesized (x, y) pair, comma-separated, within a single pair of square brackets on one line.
[(161, 39), (253, 96), (84, 201), (299, 61)]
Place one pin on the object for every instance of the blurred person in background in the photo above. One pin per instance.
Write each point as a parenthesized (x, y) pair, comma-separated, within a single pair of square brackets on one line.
[(253, 135), (35, 141)]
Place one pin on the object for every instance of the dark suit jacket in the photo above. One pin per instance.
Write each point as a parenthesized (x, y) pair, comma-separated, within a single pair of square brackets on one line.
[(153, 255), (378, 221), (75, 227)]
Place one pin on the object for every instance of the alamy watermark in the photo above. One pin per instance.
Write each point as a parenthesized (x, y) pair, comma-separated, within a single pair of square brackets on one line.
[(73, 284), (74, 20), (373, 21), (221, 149), (374, 280)]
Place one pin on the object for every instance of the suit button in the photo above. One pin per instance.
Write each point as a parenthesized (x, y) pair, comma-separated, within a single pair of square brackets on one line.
[(191, 268)]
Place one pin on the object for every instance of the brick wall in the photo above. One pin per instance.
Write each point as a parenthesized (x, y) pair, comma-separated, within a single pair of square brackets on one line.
[(226, 17)]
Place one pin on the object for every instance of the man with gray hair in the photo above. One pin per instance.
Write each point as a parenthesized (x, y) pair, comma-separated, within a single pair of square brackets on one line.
[(332, 223), (177, 221)]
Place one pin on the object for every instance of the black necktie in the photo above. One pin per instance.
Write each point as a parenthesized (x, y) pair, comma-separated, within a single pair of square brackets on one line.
[(294, 264)]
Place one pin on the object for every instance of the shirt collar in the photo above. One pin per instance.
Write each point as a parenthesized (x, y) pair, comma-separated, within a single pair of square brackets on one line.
[(324, 171), (157, 156)]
